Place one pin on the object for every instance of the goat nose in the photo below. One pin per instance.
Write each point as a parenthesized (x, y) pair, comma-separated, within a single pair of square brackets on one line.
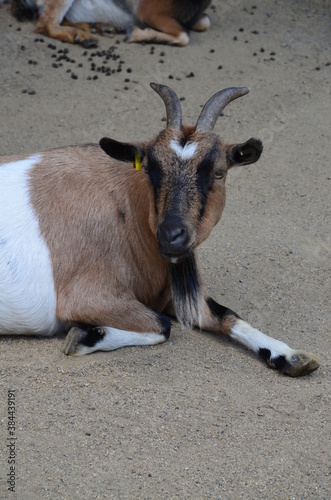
[(173, 236)]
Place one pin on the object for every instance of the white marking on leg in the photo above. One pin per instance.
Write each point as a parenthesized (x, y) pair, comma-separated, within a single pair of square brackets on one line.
[(255, 340), (182, 40), (27, 293), (185, 152), (115, 339)]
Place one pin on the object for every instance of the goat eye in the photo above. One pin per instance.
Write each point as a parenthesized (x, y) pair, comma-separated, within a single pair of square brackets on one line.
[(219, 174)]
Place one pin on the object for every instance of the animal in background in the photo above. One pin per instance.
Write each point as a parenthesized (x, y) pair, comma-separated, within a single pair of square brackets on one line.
[(108, 253), (157, 21)]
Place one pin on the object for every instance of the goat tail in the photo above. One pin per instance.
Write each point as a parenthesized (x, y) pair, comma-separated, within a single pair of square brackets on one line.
[(186, 291)]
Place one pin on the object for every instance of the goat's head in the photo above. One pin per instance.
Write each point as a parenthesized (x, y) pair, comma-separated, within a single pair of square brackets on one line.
[(187, 168)]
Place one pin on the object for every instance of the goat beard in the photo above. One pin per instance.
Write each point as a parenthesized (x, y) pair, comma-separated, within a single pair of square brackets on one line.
[(186, 291)]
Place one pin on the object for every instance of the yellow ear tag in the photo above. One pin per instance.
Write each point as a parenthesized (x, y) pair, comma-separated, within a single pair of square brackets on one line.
[(137, 161)]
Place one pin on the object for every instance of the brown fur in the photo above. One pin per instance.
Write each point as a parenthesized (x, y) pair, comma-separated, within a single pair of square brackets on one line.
[(80, 210)]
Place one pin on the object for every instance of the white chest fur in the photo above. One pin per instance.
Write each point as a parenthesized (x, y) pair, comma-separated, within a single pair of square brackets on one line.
[(27, 294)]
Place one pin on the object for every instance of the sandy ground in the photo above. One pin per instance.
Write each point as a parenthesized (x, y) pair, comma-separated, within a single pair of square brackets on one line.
[(196, 417)]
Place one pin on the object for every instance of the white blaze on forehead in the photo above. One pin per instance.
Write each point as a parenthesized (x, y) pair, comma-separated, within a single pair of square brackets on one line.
[(185, 152)]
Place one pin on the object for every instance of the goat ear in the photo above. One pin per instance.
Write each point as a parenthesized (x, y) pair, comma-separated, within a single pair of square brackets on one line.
[(121, 151), (244, 154)]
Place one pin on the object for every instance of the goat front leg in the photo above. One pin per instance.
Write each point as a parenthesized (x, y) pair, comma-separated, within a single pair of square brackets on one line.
[(277, 354), (150, 328)]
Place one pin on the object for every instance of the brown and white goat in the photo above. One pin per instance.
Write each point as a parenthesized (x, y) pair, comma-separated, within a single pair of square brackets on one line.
[(159, 21), (91, 245)]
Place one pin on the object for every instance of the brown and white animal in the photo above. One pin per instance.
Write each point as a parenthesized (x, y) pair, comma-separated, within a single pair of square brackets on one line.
[(159, 21), (91, 245)]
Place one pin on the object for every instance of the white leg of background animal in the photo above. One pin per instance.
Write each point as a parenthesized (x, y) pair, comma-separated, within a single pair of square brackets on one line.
[(151, 35), (202, 24)]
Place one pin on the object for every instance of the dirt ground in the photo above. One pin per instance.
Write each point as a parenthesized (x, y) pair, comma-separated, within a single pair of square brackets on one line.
[(196, 417)]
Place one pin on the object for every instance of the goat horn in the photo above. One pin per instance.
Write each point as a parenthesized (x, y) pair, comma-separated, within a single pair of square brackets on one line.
[(215, 105), (172, 104)]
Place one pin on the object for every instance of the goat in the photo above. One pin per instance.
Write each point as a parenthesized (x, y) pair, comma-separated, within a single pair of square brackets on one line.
[(107, 253), (166, 21)]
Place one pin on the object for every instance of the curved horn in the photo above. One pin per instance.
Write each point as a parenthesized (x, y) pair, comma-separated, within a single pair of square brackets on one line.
[(172, 104), (215, 105)]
